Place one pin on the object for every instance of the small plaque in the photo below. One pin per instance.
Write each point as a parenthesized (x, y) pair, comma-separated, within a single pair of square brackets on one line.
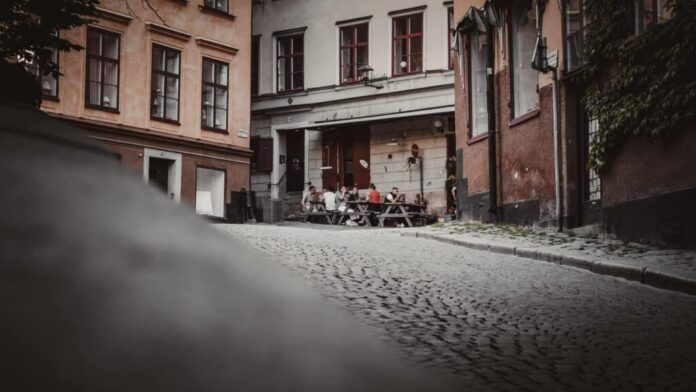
[(553, 59), (243, 132)]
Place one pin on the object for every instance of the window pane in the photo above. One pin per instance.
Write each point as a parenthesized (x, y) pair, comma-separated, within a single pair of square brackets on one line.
[(207, 116), (157, 109), (94, 95), (416, 63), (208, 71), (347, 36), (172, 87), (157, 59), (416, 23), (221, 118), (93, 42), (209, 3), (110, 46), (346, 73), (416, 45), (94, 70), (400, 26), (49, 85), (297, 64), (298, 44), (362, 34), (207, 99), (283, 46), (346, 60), (172, 106), (110, 73), (172, 61), (361, 58), (110, 98), (158, 84), (298, 80), (221, 74), (479, 112), (221, 5), (221, 98)]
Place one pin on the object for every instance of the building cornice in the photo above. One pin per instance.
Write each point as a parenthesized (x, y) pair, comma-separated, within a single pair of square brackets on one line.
[(168, 31), (113, 16), (299, 107), (217, 45), (151, 135)]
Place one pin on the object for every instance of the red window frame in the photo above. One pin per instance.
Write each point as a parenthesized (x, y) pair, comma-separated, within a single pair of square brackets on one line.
[(291, 56), (450, 36), (353, 30), (408, 36)]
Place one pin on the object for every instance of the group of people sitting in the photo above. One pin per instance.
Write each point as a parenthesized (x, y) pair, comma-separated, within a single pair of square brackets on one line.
[(337, 201)]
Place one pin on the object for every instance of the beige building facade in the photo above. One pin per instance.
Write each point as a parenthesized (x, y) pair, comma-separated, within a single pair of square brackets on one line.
[(168, 91)]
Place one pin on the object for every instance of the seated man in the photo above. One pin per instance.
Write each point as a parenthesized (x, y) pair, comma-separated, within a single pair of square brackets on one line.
[(395, 196), (330, 199), (308, 197)]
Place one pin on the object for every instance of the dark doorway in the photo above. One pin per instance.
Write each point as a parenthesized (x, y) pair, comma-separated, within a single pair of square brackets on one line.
[(158, 174), (346, 157), (295, 142)]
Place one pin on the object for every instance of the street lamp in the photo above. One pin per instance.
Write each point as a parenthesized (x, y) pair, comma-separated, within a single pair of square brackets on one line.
[(365, 72)]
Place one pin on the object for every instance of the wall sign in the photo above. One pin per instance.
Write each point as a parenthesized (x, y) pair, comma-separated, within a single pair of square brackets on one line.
[(242, 132)]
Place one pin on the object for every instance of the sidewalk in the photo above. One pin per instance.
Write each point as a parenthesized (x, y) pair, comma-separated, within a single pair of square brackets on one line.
[(670, 269)]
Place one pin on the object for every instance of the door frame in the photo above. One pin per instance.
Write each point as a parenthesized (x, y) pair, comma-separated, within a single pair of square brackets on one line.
[(174, 182)]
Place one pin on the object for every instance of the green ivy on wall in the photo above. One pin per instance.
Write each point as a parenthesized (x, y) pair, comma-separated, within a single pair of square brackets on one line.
[(638, 85)]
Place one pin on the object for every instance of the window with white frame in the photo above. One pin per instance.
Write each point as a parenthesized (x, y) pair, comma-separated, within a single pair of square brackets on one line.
[(407, 44), (525, 79), (478, 89), (210, 192), (290, 63)]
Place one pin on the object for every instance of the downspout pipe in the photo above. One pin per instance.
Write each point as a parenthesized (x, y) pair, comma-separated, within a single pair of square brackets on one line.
[(557, 151), (494, 209)]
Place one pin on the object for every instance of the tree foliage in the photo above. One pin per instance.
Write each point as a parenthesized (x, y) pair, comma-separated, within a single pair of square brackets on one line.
[(28, 31), (638, 85)]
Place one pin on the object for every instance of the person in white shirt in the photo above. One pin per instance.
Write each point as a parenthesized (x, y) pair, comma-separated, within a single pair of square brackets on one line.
[(330, 199)]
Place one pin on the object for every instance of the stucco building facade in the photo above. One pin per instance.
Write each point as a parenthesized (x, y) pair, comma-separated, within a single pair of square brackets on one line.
[(167, 92), (319, 117)]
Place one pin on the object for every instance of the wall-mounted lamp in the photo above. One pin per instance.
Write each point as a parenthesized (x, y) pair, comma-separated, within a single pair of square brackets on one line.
[(365, 72)]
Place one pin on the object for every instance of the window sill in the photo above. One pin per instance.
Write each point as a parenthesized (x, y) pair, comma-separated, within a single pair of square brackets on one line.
[(52, 98), (406, 76), (477, 138), (165, 120), (216, 12), (523, 118), (102, 108), (216, 130)]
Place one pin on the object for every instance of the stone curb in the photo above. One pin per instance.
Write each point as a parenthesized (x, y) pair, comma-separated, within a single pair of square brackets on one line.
[(643, 275)]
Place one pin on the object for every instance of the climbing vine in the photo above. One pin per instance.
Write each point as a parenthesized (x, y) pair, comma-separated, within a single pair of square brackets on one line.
[(638, 85)]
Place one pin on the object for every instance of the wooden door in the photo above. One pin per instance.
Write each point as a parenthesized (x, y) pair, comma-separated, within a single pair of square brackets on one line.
[(361, 154), (295, 143), (329, 158)]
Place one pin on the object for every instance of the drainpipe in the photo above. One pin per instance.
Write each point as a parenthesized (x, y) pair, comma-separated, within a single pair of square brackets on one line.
[(421, 178), (492, 146), (557, 150)]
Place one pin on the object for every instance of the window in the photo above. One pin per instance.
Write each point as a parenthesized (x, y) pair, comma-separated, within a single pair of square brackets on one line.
[(214, 100), (255, 42), (290, 63), (217, 5), (594, 191), (353, 51), (407, 44), (262, 161), (102, 69), (165, 83), (575, 32), (210, 192), (648, 12), (478, 88), (49, 83), (450, 37), (525, 97)]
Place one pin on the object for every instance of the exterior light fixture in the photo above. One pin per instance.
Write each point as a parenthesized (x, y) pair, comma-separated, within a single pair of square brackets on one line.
[(403, 64), (365, 72)]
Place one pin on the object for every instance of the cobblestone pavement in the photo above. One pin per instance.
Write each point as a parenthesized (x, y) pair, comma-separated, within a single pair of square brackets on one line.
[(496, 322)]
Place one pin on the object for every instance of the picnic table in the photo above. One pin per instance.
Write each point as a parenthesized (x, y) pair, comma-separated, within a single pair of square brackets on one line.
[(401, 212), (318, 208), (360, 208)]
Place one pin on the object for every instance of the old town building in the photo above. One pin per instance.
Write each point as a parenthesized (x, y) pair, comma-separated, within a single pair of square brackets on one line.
[(352, 93), (524, 136), (167, 90)]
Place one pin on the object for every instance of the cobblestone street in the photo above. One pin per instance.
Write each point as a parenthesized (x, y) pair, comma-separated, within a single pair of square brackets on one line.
[(496, 322)]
